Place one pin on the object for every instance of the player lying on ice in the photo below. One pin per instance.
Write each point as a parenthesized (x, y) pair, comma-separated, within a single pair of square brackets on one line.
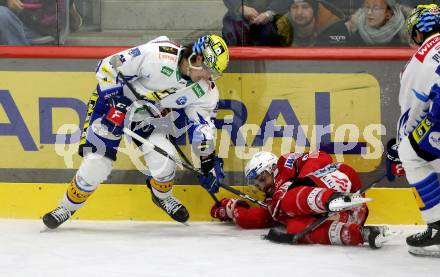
[(300, 188), (166, 76)]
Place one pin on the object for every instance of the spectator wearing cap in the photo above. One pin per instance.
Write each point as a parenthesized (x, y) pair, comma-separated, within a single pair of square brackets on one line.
[(379, 23), (312, 23)]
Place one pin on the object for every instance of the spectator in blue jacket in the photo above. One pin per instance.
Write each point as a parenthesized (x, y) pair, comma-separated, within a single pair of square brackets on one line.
[(26, 22)]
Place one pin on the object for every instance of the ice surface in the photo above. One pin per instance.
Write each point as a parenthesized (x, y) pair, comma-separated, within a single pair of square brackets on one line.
[(127, 248)]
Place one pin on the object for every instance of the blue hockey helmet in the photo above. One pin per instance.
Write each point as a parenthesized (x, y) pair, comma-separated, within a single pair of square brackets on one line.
[(425, 19)]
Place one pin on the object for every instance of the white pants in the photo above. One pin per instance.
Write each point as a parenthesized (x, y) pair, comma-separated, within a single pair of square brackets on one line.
[(423, 179), (96, 168)]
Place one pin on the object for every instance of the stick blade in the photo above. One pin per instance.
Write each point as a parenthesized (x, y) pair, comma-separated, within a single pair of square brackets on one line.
[(277, 236)]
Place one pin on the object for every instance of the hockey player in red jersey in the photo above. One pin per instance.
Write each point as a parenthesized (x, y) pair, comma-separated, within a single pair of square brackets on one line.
[(299, 188)]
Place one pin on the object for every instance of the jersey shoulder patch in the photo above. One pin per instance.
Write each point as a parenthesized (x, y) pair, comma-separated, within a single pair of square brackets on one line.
[(291, 159), (134, 52), (325, 170), (426, 48), (168, 50)]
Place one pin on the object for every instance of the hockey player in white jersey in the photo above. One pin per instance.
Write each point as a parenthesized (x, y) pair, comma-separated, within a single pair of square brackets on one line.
[(418, 138), (166, 76)]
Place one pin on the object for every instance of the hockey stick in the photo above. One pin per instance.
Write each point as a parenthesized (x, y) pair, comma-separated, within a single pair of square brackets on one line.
[(188, 166), (185, 159), (275, 235), (115, 63)]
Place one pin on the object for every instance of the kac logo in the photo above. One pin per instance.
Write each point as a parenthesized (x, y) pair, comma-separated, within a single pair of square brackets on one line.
[(181, 100)]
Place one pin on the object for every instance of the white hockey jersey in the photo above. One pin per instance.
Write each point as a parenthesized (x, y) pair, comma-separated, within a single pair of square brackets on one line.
[(416, 81), (152, 69)]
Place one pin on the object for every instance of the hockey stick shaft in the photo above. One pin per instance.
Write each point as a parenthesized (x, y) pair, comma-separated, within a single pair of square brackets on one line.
[(319, 222), (140, 97), (164, 153), (294, 238), (188, 166), (185, 159)]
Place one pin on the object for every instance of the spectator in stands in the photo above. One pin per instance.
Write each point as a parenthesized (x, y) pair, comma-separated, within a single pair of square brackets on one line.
[(379, 23), (247, 22), (26, 22), (312, 23)]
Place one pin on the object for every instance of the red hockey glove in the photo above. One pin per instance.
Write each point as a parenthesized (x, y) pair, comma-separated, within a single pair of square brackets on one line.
[(225, 209), (219, 212), (393, 164), (231, 204)]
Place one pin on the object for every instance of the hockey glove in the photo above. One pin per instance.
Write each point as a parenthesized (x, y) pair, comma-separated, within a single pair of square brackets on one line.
[(393, 164), (212, 168), (225, 209), (114, 120)]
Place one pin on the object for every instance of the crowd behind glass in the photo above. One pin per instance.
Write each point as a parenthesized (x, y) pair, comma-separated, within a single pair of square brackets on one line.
[(288, 23)]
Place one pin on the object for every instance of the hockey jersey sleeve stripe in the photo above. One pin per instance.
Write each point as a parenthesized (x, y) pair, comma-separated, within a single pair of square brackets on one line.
[(421, 95)]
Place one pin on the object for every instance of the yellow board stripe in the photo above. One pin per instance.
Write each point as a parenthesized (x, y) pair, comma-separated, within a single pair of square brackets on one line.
[(419, 199), (133, 202)]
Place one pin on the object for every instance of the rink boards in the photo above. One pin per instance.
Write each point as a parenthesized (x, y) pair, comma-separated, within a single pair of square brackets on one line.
[(279, 106), (277, 112), (122, 202)]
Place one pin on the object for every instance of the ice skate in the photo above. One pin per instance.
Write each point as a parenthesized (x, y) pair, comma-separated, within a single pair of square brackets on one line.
[(377, 236), (345, 201), (56, 217), (171, 206), (426, 243)]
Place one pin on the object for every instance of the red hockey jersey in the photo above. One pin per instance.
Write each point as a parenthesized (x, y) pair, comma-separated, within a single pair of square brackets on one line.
[(302, 183)]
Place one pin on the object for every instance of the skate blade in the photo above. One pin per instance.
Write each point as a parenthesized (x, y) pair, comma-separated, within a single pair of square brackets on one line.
[(389, 236), (46, 230), (341, 206), (430, 251)]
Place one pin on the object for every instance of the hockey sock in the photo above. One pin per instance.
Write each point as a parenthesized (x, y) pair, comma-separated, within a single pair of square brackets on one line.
[(76, 194), (427, 194), (161, 189)]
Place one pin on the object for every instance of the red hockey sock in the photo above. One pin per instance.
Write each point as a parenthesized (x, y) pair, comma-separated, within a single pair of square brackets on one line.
[(330, 232), (303, 200)]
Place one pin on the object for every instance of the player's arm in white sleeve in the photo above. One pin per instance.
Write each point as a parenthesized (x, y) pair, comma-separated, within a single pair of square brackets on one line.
[(202, 128), (134, 63), (421, 103), (109, 82), (202, 131)]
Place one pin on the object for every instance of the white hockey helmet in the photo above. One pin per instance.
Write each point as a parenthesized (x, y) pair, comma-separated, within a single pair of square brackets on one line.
[(259, 163)]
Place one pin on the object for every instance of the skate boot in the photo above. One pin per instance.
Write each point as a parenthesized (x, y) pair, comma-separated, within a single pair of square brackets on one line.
[(377, 236), (171, 206), (426, 243), (345, 201), (57, 217)]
